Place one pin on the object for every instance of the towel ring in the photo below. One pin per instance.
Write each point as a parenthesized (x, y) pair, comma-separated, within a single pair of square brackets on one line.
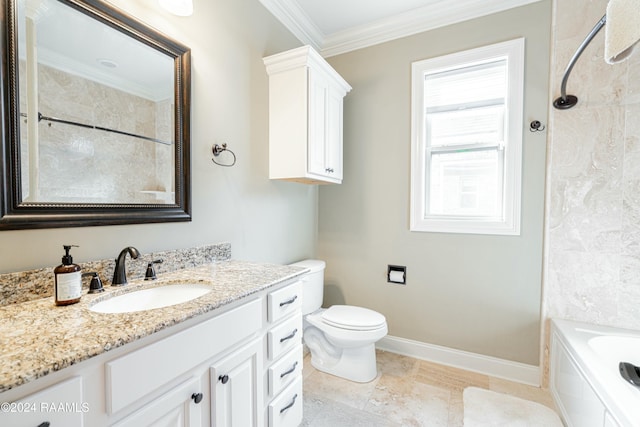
[(217, 149)]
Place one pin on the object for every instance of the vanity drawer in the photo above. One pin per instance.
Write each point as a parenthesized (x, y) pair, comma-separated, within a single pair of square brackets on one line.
[(283, 302), (286, 410), (139, 373), (284, 371), (284, 337)]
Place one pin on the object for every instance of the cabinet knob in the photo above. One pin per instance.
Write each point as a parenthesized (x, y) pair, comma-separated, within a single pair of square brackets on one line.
[(197, 397), (223, 378), (330, 170)]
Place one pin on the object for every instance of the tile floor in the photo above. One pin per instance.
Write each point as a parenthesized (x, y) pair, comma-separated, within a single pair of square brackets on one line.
[(406, 392)]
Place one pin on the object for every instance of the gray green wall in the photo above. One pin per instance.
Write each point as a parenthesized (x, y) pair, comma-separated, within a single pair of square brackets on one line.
[(475, 293), (263, 220)]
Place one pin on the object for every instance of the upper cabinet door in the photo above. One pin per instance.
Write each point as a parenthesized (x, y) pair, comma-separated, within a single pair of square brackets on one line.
[(318, 135), (333, 148)]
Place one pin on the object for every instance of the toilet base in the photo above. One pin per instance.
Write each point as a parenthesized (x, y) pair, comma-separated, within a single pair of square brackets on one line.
[(355, 364)]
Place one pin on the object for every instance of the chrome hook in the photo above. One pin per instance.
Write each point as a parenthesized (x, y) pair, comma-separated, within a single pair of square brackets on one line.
[(536, 126)]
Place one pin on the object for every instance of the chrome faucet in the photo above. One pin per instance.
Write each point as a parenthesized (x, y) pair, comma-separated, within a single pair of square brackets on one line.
[(119, 273)]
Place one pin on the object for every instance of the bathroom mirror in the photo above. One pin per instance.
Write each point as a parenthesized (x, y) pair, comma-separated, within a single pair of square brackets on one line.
[(95, 118)]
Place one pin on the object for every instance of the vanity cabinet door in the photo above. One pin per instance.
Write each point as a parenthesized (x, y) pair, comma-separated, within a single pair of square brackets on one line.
[(180, 407), (60, 405), (236, 388)]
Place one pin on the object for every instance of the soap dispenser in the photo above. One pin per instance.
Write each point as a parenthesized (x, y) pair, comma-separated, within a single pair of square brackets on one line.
[(68, 280)]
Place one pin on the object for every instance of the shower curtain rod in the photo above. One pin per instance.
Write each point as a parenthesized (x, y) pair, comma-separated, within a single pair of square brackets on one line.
[(68, 122), (565, 101)]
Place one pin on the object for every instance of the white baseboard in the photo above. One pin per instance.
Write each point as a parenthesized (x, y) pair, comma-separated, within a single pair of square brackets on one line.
[(492, 366)]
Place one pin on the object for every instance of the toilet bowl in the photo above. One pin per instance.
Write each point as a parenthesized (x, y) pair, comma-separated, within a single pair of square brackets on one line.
[(341, 338)]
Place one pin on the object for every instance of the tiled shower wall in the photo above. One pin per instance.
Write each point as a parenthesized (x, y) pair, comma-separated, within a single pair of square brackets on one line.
[(592, 232)]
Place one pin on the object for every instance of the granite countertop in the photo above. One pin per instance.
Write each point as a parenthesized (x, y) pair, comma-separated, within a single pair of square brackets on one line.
[(37, 337)]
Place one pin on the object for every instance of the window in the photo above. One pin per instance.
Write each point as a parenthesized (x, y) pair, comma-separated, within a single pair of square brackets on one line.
[(466, 154)]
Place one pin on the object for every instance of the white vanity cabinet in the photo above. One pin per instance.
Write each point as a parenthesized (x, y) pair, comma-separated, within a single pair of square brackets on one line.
[(210, 370), (305, 117)]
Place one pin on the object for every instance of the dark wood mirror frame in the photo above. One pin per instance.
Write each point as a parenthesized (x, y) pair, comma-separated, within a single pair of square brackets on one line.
[(14, 214)]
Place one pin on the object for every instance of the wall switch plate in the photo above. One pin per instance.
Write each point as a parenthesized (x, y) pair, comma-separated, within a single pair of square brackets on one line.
[(397, 274)]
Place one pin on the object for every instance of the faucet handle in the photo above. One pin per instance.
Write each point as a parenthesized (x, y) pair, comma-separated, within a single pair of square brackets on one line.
[(151, 272), (96, 284)]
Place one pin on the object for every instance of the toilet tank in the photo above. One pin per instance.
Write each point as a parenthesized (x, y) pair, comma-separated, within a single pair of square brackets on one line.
[(312, 284)]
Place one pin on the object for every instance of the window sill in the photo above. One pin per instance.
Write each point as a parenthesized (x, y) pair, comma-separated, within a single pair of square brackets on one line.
[(511, 228)]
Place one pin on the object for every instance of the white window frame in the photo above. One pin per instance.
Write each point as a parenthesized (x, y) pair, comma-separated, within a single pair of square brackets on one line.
[(509, 224)]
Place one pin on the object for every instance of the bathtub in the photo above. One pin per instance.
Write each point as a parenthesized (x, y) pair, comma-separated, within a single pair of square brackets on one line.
[(585, 381)]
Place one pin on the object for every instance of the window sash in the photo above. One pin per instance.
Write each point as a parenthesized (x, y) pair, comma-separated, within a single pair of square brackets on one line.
[(498, 210), (453, 128), (466, 84)]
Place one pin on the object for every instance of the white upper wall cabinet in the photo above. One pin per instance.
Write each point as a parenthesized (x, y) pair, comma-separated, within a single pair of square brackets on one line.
[(305, 117)]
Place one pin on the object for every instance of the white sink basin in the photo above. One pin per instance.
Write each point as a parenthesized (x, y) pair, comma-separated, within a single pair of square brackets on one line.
[(147, 299)]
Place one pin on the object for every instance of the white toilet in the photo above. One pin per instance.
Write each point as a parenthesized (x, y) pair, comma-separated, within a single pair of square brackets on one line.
[(342, 338)]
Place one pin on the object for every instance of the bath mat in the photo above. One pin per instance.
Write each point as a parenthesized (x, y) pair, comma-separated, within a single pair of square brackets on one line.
[(485, 408)]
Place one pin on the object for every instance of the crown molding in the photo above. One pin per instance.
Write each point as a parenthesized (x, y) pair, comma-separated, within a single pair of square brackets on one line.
[(427, 18), (296, 20)]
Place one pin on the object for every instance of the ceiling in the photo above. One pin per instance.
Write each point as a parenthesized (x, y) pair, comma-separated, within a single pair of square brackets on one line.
[(337, 26)]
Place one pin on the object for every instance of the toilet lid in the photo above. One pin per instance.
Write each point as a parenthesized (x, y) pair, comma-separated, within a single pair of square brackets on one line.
[(354, 318)]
